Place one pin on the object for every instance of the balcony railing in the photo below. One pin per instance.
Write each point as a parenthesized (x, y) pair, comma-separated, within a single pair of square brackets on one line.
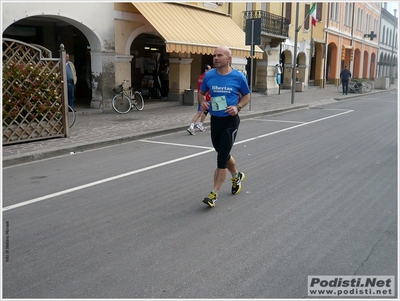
[(270, 23)]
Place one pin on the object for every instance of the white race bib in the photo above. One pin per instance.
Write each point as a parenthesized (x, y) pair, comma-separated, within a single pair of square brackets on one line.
[(218, 103)]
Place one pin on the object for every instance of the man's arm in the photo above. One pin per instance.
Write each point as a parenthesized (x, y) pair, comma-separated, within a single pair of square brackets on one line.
[(201, 98), (233, 110), (244, 100)]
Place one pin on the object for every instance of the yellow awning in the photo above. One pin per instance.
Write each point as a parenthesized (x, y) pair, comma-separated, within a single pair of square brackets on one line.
[(192, 30)]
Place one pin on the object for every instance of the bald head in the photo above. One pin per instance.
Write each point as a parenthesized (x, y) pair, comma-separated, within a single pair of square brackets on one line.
[(222, 58), (225, 50)]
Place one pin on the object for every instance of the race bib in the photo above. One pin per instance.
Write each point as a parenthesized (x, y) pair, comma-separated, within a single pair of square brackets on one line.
[(218, 103)]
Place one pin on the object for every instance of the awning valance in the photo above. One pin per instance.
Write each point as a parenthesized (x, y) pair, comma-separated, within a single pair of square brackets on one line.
[(192, 30)]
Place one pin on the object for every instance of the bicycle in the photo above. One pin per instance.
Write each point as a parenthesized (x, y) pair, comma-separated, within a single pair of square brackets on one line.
[(71, 117), (368, 87), (125, 100), (354, 86)]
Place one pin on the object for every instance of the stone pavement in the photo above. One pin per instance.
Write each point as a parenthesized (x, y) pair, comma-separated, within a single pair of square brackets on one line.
[(96, 128)]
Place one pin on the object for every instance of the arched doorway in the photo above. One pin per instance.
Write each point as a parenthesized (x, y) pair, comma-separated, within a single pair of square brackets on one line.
[(357, 63), (287, 61), (372, 67), (149, 55), (365, 67), (331, 63), (50, 32), (301, 71)]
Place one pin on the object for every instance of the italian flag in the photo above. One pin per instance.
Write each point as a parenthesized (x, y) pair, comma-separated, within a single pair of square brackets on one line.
[(313, 14)]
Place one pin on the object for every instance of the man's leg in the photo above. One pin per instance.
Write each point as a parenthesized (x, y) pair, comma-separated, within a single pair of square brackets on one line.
[(219, 178), (71, 95)]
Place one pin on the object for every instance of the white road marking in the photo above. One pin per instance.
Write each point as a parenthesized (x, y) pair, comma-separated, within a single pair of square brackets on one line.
[(270, 120), (52, 195), (293, 127), (102, 181), (176, 144)]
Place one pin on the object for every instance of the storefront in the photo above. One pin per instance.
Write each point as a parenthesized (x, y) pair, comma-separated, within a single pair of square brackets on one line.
[(185, 36)]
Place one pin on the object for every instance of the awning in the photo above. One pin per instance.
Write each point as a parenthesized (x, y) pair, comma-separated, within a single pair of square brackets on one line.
[(193, 30)]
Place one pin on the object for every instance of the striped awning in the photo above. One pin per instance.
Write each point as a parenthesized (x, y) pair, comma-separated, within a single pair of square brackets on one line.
[(189, 29)]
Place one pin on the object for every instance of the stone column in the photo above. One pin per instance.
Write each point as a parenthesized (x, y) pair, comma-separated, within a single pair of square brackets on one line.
[(303, 75), (179, 77), (103, 79), (287, 76)]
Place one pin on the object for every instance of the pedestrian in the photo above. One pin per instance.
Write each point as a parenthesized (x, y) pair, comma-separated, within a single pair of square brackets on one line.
[(200, 114), (71, 80), (229, 93), (345, 76), (164, 74)]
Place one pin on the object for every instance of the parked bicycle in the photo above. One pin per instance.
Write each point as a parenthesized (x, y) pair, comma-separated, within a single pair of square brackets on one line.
[(368, 87), (126, 99), (354, 86)]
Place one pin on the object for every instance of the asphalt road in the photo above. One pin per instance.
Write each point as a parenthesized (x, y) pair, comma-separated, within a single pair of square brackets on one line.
[(127, 221)]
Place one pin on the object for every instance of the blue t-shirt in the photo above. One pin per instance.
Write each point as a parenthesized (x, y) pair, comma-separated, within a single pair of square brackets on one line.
[(224, 87)]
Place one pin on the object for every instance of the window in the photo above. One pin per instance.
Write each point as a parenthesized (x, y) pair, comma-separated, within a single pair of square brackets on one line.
[(368, 24), (288, 14), (383, 35), (360, 18), (249, 6), (335, 11), (337, 8), (306, 17), (264, 6), (348, 14), (319, 11), (387, 36)]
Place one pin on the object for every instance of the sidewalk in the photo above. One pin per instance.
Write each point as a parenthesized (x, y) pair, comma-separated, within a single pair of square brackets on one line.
[(95, 128)]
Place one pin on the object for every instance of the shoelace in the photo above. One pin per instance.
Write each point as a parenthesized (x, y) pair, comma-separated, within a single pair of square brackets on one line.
[(234, 181), (212, 195)]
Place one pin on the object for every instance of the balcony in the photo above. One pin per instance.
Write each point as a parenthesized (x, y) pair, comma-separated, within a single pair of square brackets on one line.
[(273, 26)]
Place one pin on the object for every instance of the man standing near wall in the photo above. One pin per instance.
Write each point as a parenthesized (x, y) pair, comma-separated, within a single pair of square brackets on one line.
[(345, 76), (71, 81)]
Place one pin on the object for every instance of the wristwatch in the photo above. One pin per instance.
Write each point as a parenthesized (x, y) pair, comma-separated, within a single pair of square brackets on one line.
[(239, 108)]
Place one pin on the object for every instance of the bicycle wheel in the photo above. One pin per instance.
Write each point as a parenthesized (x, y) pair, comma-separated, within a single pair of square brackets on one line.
[(138, 101), (359, 88), (71, 117), (121, 104), (368, 87), (340, 88)]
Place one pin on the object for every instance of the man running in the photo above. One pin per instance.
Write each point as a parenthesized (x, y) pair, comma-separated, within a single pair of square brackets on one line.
[(229, 93)]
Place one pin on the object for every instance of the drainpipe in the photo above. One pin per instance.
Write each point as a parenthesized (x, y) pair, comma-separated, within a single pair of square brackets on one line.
[(280, 51), (394, 35), (352, 37), (326, 45)]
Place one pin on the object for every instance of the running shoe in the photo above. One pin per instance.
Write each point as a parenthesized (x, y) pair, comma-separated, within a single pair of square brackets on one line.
[(211, 199), (237, 183), (200, 127), (190, 131)]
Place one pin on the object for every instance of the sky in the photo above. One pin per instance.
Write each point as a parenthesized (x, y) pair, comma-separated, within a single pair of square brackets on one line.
[(393, 5)]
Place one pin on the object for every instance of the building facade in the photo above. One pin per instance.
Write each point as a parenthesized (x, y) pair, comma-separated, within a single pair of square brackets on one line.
[(388, 45), (133, 40), (352, 39)]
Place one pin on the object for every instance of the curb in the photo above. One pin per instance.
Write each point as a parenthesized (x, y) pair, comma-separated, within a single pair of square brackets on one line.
[(10, 161)]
